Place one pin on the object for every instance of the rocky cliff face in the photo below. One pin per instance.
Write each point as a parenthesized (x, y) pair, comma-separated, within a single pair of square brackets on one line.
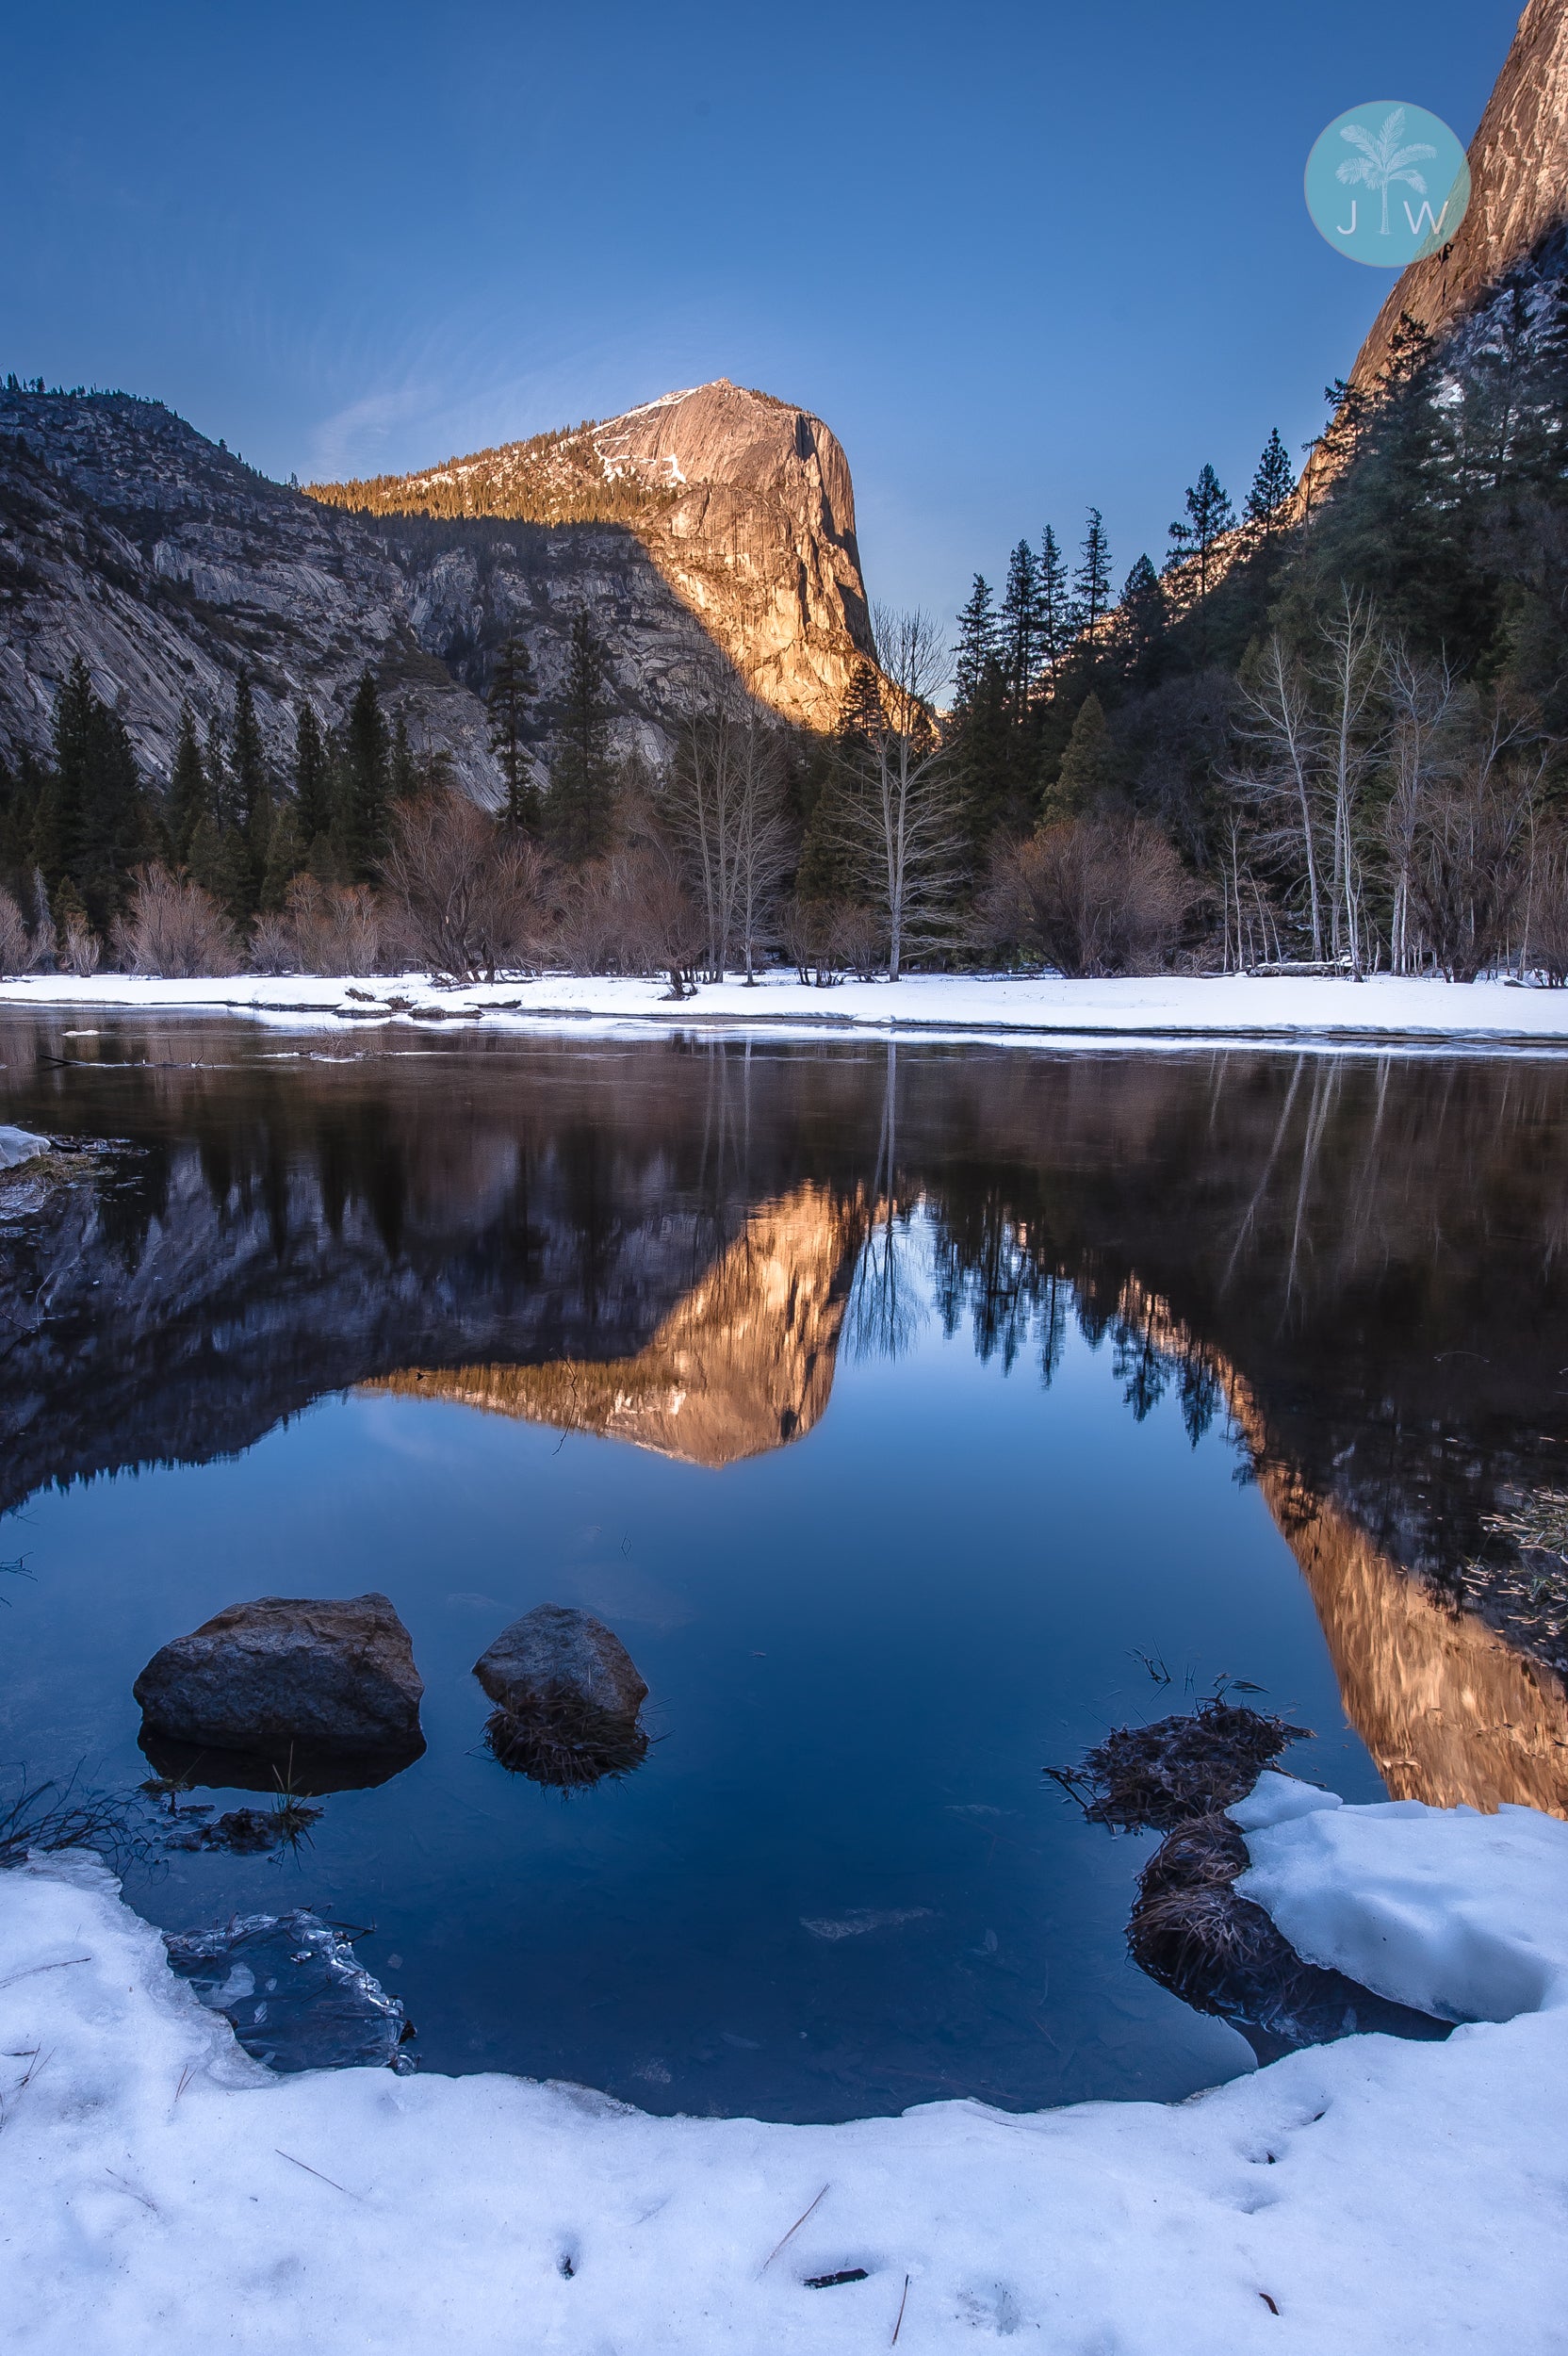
[(128, 538), (1519, 194), (166, 563), (747, 513)]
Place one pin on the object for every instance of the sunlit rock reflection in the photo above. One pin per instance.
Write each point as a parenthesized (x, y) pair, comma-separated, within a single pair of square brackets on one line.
[(1449, 1710), (745, 1364)]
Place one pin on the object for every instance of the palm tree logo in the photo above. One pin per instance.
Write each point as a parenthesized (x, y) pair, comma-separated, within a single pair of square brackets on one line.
[(1381, 162)]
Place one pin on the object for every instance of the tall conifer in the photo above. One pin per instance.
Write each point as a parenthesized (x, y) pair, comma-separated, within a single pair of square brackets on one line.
[(188, 787), (580, 812), (1091, 583), (313, 805), (1022, 623), (1272, 486), (367, 782), (512, 690), (1055, 605)]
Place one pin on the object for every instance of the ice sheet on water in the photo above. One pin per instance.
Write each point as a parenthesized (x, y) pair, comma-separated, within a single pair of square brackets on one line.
[(860, 1920), (294, 1993), (19, 1145)]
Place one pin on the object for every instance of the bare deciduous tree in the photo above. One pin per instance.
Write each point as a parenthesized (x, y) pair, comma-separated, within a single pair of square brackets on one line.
[(1468, 870), (331, 928), (45, 939), (1426, 707), (81, 951), (1279, 723), (173, 928), (1348, 678), (629, 913), (723, 802), (1090, 896), (16, 948), (1546, 934), (900, 815), (469, 894)]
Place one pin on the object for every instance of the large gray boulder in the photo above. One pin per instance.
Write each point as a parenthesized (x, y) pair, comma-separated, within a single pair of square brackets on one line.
[(327, 1675), (557, 1650)]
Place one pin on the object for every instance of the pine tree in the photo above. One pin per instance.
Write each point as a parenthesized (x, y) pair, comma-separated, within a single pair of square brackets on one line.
[(404, 769), (512, 690), (1089, 768), (313, 802), (1141, 620), (91, 821), (977, 642), (59, 835), (366, 783), (1091, 583), (252, 785), (188, 787), (984, 746), (1209, 517), (205, 857), (579, 812), (1055, 606), (252, 800), (285, 857), (1272, 487), (1022, 626), (222, 799)]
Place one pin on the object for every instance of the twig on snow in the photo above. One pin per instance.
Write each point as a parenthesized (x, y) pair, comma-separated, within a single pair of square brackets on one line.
[(793, 2229), (316, 2171)]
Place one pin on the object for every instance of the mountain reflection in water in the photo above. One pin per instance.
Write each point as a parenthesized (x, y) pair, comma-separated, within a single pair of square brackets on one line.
[(743, 1364), (1359, 1261)]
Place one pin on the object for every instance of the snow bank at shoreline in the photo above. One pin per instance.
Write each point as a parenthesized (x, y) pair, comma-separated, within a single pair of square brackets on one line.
[(1304, 1011), (159, 2192)]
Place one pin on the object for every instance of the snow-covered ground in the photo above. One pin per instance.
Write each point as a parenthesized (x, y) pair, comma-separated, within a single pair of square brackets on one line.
[(158, 2192), (1169, 1006)]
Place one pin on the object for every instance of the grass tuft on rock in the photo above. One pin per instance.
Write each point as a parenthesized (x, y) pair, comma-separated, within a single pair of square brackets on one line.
[(565, 1743), (1157, 1777)]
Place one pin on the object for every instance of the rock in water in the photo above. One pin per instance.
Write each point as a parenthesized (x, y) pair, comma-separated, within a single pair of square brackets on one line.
[(567, 1694), (327, 1675), (556, 1648), (294, 1993)]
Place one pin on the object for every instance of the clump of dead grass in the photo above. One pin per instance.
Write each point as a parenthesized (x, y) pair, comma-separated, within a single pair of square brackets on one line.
[(1156, 1776), (563, 1741)]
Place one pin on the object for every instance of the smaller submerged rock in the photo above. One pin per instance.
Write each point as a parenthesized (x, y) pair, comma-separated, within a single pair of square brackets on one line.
[(567, 1694), (556, 1647), (326, 1675), (294, 1993)]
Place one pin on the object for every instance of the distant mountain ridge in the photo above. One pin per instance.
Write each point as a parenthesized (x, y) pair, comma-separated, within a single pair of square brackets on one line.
[(711, 528)]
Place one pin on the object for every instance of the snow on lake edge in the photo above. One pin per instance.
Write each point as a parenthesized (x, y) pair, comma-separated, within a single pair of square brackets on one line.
[(162, 2192), (1168, 1007)]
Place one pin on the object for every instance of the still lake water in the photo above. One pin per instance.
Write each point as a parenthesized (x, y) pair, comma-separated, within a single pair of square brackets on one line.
[(895, 1406)]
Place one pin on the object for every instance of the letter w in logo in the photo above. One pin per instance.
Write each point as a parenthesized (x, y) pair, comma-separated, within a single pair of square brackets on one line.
[(1426, 214)]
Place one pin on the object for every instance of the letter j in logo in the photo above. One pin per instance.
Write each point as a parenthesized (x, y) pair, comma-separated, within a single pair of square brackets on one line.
[(1386, 183)]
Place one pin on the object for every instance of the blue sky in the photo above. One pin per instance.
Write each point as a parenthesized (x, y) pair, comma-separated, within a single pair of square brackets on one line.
[(1019, 257)]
